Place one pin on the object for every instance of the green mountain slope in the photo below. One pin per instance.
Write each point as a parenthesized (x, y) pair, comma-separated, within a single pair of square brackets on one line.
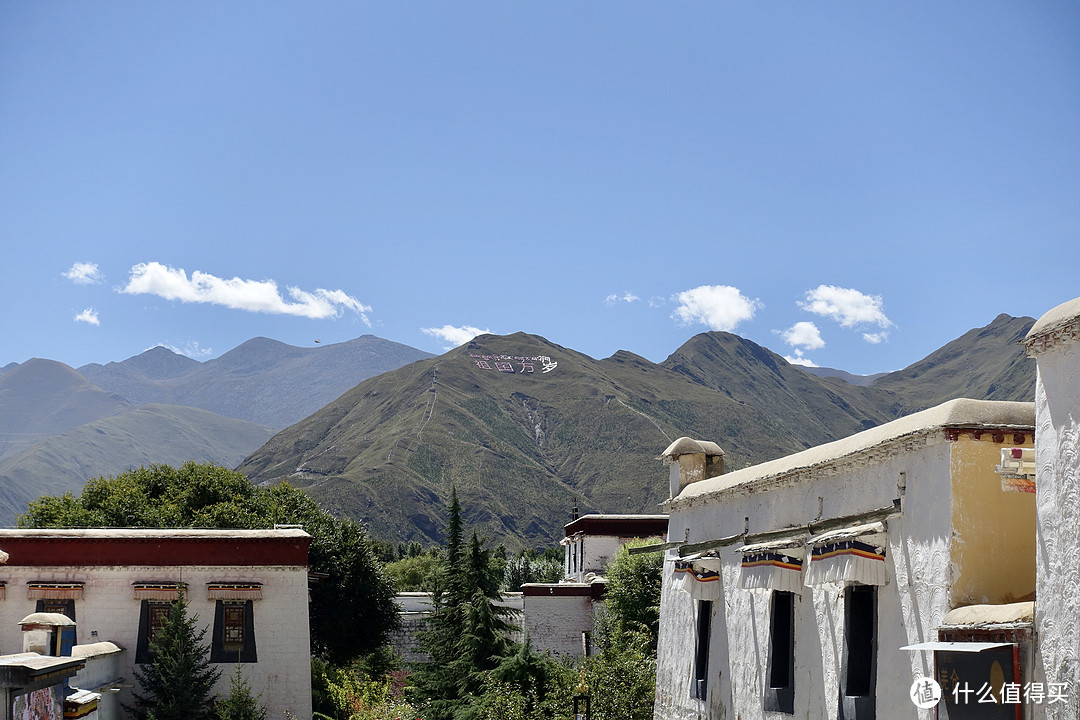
[(522, 447), (142, 436), (987, 363)]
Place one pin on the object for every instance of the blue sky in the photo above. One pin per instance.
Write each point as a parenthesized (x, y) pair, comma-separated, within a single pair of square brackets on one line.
[(852, 184)]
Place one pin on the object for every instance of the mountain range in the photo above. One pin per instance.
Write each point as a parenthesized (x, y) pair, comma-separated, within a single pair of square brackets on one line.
[(60, 426), (523, 428)]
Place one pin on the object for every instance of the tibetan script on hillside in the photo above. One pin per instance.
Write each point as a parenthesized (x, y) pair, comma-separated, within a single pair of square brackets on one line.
[(514, 363)]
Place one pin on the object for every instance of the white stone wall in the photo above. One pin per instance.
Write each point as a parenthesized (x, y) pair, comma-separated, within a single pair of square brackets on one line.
[(555, 622), (1057, 483), (109, 611), (910, 606), (594, 553)]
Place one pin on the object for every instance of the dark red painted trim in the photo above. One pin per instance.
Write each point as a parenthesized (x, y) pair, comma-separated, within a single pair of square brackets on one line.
[(68, 552), (592, 590), (643, 527)]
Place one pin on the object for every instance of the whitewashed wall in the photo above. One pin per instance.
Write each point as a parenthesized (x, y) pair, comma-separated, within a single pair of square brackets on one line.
[(555, 622), (594, 552), (108, 608), (1057, 463), (909, 608)]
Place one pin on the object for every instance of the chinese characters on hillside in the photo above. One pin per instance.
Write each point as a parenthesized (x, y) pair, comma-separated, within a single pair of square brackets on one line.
[(515, 364)]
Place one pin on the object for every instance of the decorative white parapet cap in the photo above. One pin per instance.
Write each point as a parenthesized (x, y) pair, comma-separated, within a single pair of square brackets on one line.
[(1057, 326)]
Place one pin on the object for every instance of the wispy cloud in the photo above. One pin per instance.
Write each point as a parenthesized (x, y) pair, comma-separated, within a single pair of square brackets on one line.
[(847, 306), (718, 307), (153, 278), (88, 316), (656, 301), (875, 338), (455, 336), (627, 297), (84, 274), (191, 350), (803, 335)]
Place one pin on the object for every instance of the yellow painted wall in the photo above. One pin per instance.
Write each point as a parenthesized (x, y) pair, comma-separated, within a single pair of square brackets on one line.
[(993, 548)]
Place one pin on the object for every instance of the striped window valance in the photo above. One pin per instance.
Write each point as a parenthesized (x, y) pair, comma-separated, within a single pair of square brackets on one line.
[(54, 590), (773, 566), (699, 575), (234, 591), (3, 590), (152, 590), (854, 555)]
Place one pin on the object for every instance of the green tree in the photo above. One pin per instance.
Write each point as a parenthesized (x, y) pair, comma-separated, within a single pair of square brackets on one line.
[(414, 573), (468, 632), (632, 595), (240, 704), (176, 685), (622, 677), (352, 606)]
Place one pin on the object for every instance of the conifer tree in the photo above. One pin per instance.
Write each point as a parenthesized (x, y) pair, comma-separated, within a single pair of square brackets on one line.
[(176, 685), (467, 635), (241, 704)]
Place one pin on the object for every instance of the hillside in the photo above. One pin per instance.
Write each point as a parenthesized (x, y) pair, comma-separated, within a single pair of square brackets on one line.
[(977, 365), (142, 436), (522, 447), (262, 381), (40, 398)]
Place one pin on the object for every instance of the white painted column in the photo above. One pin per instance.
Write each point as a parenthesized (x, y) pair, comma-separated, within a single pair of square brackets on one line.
[(1054, 341)]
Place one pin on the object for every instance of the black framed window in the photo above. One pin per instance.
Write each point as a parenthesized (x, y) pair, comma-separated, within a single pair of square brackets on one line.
[(234, 632), (699, 683), (859, 676), (780, 689), (153, 615), (62, 606)]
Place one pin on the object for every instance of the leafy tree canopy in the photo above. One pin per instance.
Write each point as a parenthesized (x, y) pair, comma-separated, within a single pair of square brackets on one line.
[(352, 606)]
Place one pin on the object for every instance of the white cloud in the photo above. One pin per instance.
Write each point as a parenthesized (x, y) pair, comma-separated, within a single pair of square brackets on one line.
[(875, 338), (798, 359), (252, 295), (84, 274), (627, 297), (847, 306), (656, 301), (718, 307), (456, 336), (88, 316), (805, 335)]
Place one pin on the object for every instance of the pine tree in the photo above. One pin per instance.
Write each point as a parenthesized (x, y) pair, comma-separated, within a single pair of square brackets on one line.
[(467, 635), (177, 684), (240, 704)]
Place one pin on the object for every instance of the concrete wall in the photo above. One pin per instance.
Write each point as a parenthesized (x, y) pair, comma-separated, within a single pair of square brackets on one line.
[(910, 606), (109, 611)]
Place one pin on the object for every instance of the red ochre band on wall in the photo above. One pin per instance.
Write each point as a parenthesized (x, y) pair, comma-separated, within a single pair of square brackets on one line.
[(208, 548)]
